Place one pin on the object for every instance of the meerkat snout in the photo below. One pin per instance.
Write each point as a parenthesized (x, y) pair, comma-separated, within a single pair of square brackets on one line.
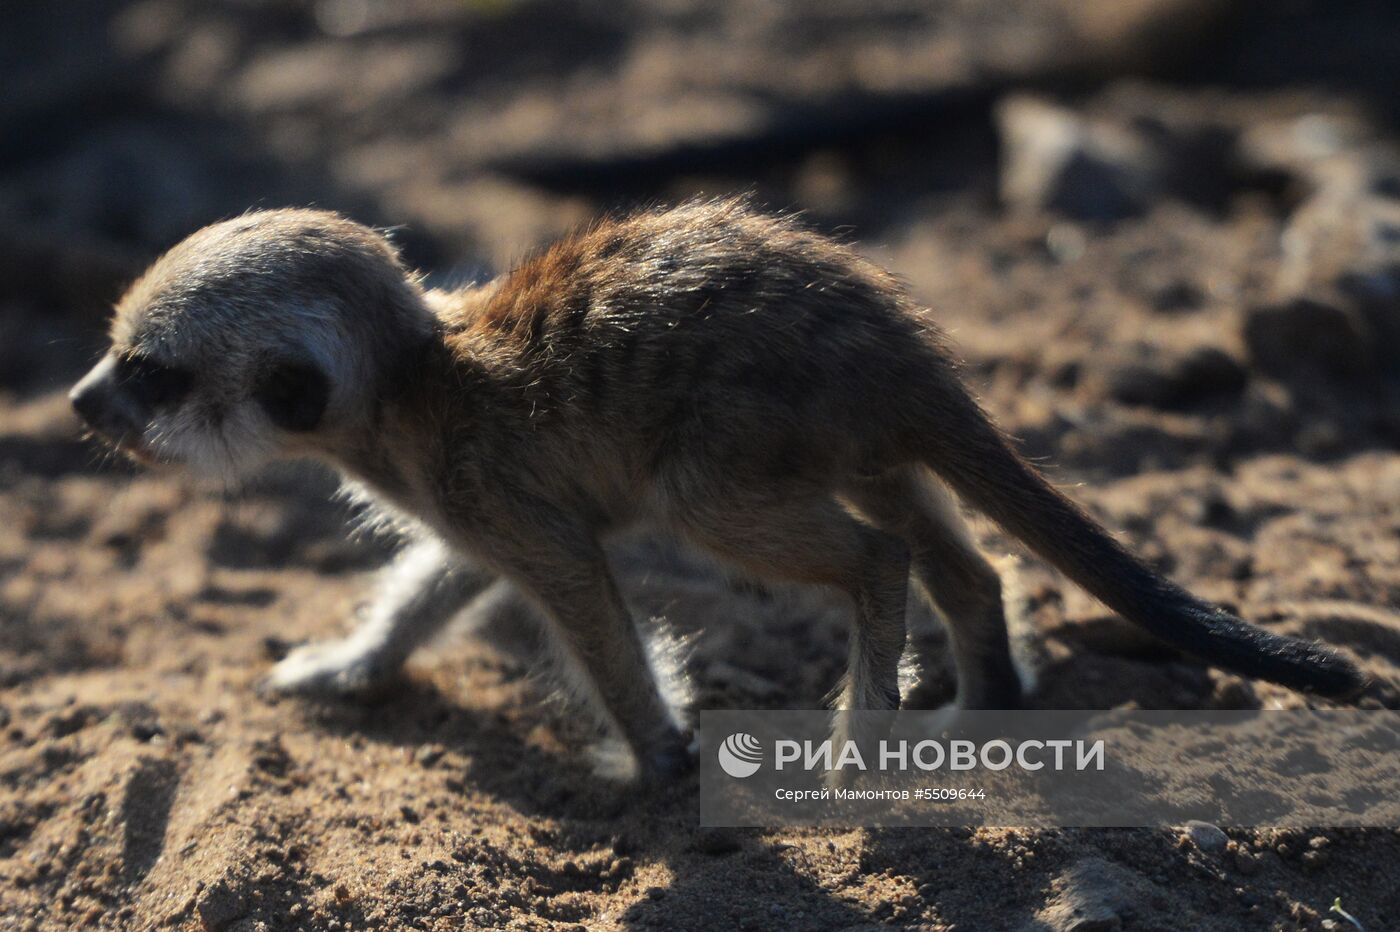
[(120, 396)]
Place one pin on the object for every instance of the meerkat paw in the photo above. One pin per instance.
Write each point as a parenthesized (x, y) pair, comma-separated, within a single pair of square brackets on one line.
[(332, 669), (673, 759), (614, 759)]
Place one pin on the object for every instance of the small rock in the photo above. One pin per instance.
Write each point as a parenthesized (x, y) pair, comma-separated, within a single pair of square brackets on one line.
[(146, 730), (1161, 379), (1060, 161), (1066, 242), (429, 754), (1093, 895), (1306, 332), (1314, 860), (1207, 837)]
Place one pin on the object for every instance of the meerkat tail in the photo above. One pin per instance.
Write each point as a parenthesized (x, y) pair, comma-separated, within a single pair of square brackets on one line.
[(981, 465)]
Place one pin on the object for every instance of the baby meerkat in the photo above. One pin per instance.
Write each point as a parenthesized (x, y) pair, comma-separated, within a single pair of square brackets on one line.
[(754, 387)]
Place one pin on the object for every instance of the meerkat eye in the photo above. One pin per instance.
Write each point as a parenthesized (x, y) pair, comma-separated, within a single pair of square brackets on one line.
[(294, 395), (151, 383)]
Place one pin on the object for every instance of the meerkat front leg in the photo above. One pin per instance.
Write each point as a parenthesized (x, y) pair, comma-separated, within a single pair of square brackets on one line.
[(421, 591), (601, 647)]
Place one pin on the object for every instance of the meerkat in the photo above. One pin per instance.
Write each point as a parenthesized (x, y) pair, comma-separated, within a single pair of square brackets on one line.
[(754, 387)]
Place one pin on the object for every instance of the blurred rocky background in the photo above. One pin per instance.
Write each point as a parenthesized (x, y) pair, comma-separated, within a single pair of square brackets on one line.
[(1165, 235)]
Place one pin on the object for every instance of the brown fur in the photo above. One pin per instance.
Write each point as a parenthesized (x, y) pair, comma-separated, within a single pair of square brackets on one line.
[(755, 387)]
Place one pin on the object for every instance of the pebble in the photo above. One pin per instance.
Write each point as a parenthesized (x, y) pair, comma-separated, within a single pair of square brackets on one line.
[(1060, 161), (146, 731), (1309, 332), (429, 754), (1207, 837)]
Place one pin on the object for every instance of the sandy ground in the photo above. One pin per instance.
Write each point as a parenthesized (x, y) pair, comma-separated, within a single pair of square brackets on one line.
[(1207, 362)]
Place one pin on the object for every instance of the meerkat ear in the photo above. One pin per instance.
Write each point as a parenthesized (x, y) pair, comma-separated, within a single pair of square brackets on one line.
[(294, 395)]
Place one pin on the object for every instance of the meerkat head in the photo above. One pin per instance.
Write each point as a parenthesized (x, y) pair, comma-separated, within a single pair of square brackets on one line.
[(257, 338)]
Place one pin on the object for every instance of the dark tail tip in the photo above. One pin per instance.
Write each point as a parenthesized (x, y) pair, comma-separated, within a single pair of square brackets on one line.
[(1298, 664), (1328, 673)]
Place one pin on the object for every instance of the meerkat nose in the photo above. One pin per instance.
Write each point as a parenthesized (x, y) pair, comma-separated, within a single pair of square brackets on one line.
[(87, 404), (90, 397)]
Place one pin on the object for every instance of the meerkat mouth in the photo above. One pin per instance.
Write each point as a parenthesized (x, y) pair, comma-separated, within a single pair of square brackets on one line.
[(139, 453), (130, 446)]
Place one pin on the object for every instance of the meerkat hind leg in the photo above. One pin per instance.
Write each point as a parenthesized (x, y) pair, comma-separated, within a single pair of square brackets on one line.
[(812, 539), (421, 591), (956, 577)]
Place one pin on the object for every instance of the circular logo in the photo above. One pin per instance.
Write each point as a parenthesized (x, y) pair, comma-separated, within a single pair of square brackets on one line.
[(740, 755)]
